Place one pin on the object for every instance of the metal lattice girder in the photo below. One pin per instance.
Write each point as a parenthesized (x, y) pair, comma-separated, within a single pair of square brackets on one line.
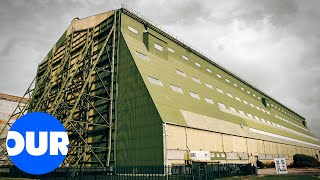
[(77, 87)]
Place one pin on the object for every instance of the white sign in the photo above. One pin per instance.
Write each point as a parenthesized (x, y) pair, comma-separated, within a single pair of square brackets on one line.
[(200, 155), (281, 165)]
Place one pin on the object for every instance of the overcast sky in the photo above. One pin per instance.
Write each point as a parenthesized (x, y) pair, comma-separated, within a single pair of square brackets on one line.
[(274, 45)]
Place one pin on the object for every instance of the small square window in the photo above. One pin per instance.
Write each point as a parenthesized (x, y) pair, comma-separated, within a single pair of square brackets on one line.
[(185, 58), (155, 81), (242, 88), (219, 90), (208, 100), (158, 47), (227, 80), (171, 50), (194, 95), (181, 73), (197, 64), (221, 105), (235, 85), (228, 94), (209, 70), (208, 85), (196, 79), (248, 92), (133, 30), (232, 109), (218, 75), (238, 99), (142, 56), (176, 89)]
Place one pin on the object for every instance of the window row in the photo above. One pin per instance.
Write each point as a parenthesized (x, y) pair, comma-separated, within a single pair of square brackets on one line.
[(291, 123), (222, 105), (160, 48), (261, 120)]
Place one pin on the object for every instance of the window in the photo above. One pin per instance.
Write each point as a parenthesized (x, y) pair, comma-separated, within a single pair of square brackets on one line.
[(254, 95), (228, 94), (259, 98), (241, 112), (232, 109), (263, 120), (142, 56), (185, 58), (256, 118), (245, 102), (181, 73), (208, 100), (218, 75), (248, 92), (263, 110), (176, 89), (155, 81), (208, 85), (258, 108), (219, 90), (235, 85), (196, 79), (238, 99), (194, 95), (268, 112), (223, 155), (158, 47), (251, 105), (242, 88), (227, 80), (250, 115), (221, 105), (170, 50), (209, 70), (132, 30), (197, 64)]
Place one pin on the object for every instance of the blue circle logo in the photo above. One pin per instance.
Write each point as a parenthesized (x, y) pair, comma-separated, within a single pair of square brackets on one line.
[(37, 143)]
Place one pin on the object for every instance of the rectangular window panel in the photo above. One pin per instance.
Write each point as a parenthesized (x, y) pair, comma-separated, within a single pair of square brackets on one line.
[(158, 47), (238, 99), (181, 73), (132, 30), (208, 100), (252, 105), (185, 58), (208, 85), (155, 81), (232, 109), (253, 95), (227, 80), (250, 115), (196, 79), (209, 70), (221, 105), (245, 102), (218, 75), (170, 50), (248, 92), (235, 85), (142, 56), (176, 89), (197, 64), (194, 95), (241, 112), (228, 94), (242, 88), (219, 90)]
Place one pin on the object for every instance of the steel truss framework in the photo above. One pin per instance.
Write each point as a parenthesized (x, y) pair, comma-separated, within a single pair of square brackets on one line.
[(78, 85)]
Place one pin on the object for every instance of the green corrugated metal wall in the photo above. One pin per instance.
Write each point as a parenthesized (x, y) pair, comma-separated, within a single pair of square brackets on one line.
[(139, 126)]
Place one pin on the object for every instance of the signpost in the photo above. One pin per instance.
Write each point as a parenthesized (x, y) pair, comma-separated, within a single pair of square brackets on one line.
[(281, 166)]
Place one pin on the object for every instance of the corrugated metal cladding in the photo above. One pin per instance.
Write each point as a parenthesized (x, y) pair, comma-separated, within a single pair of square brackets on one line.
[(130, 94)]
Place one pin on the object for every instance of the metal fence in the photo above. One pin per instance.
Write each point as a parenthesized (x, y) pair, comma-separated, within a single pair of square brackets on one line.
[(194, 172)]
